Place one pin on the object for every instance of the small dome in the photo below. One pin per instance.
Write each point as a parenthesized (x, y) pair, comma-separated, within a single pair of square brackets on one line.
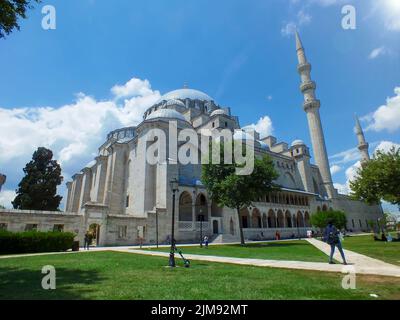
[(263, 145), (218, 111), (185, 93), (166, 113), (298, 143), (174, 102)]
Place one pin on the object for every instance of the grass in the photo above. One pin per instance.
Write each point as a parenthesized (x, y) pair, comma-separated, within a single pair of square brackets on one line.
[(113, 275), (284, 250), (385, 251)]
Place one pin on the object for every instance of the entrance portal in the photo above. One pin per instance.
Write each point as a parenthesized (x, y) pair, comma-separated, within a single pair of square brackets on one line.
[(215, 227), (94, 230)]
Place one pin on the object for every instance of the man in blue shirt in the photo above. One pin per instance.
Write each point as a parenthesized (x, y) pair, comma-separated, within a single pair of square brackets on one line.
[(331, 236)]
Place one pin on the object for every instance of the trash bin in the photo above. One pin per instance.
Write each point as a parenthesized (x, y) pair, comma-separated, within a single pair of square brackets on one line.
[(75, 246)]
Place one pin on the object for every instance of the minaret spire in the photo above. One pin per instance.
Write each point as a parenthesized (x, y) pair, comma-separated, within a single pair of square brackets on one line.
[(362, 143), (311, 107)]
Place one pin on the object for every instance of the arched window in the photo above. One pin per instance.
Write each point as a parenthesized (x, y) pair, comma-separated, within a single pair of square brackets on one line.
[(271, 219), (256, 219), (300, 220), (201, 208), (281, 223), (307, 219), (288, 218), (185, 207), (245, 218)]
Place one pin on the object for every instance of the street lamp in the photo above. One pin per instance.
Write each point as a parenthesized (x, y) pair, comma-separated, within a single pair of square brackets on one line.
[(201, 219), (174, 186), (298, 229)]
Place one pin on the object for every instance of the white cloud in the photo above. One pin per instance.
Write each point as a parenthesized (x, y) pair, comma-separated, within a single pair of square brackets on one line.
[(378, 52), (263, 126), (134, 87), (74, 131), (302, 18), (6, 196), (335, 169), (386, 146), (386, 117), (346, 156), (351, 171), (391, 13)]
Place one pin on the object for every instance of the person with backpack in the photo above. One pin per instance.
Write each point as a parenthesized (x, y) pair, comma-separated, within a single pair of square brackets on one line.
[(331, 236)]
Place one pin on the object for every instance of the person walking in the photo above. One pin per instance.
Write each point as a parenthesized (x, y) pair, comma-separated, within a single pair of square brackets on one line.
[(87, 241), (206, 241), (331, 236)]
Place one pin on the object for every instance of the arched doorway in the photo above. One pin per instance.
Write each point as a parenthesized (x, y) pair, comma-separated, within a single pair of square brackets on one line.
[(299, 219), (231, 227), (307, 219), (185, 207), (288, 218), (94, 230), (281, 223), (201, 208), (271, 219), (245, 218), (324, 208), (256, 219), (215, 227)]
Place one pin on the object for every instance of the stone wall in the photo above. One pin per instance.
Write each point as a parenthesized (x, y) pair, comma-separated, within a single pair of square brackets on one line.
[(17, 221)]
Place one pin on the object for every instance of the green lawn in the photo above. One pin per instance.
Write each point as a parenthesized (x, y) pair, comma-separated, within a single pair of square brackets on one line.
[(113, 275), (385, 251), (283, 250)]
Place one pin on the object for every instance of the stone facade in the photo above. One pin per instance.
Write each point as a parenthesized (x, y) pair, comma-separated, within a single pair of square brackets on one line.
[(126, 199)]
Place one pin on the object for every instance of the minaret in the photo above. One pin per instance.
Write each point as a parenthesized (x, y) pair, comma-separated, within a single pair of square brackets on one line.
[(362, 144), (311, 107)]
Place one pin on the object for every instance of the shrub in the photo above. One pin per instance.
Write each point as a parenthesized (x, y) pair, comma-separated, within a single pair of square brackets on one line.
[(33, 242), (320, 219)]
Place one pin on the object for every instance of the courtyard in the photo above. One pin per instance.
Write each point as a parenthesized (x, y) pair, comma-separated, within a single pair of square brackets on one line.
[(129, 275)]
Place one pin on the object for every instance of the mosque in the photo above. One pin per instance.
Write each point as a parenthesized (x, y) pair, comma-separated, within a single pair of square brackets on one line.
[(123, 199)]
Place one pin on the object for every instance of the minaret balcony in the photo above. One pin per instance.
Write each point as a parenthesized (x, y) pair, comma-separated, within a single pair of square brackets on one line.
[(313, 104), (303, 67), (309, 85), (363, 146)]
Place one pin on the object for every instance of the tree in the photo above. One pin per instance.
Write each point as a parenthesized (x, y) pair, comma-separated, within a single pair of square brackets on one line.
[(238, 191), (320, 219), (38, 189), (379, 179), (10, 12)]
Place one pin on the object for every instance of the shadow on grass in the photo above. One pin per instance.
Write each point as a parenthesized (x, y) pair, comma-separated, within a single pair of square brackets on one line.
[(25, 284)]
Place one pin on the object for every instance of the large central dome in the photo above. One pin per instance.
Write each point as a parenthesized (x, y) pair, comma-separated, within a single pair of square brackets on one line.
[(185, 93)]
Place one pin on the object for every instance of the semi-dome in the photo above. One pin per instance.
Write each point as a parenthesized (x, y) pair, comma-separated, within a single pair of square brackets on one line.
[(185, 93), (166, 113), (263, 145), (174, 102), (298, 143), (217, 112)]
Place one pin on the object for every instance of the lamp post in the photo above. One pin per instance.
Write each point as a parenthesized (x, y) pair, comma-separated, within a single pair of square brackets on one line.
[(174, 186), (201, 218), (298, 229)]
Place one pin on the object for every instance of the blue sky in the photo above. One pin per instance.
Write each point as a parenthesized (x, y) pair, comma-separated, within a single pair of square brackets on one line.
[(241, 53)]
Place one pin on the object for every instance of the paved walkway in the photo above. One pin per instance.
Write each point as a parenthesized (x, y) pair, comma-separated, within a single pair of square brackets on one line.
[(361, 263)]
